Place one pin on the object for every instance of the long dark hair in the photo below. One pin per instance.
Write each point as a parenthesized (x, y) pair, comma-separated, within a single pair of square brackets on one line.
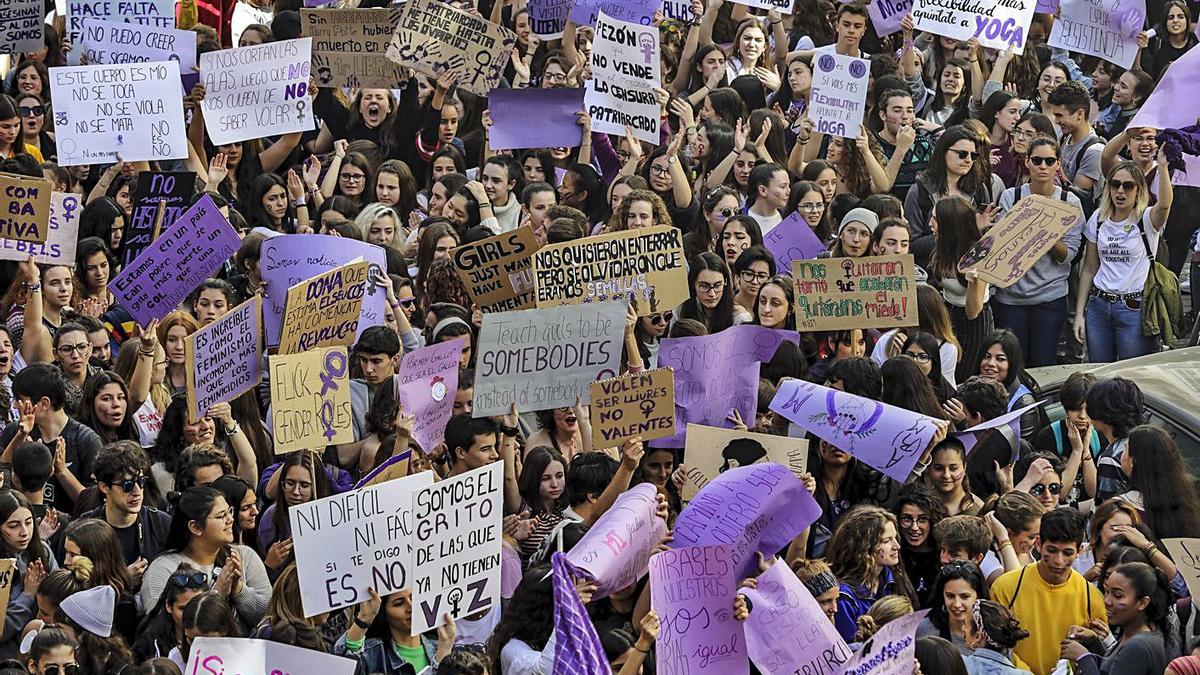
[(126, 430), (157, 629), (961, 570), (256, 214), (97, 540), (932, 346), (1148, 582), (936, 173), (194, 505), (1012, 349), (529, 616), (529, 482), (962, 103), (97, 218), (235, 489), (10, 502), (320, 488), (957, 232), (905, 386), (720, 317), (1168, 488)]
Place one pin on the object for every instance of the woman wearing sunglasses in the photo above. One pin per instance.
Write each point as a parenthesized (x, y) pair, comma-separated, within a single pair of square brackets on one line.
[(33, 125), (1040, 474), (53, 653), (1122, 237), (951, 172), (162, 628), (648, 331)]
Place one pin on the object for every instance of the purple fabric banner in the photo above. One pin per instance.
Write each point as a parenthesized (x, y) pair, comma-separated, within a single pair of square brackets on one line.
[(782, 607), (692, 589), (886, 15), (1166, 107), (616, 550), (792, 239), (715, 374), (535, 118), (426, 385), (891, 650), (888, 438), (1012, 419), (760, 507), (577, 650), (584, 12), (163, 274)]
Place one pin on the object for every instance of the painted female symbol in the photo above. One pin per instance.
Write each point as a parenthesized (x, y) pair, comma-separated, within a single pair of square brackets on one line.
[(335, 367)]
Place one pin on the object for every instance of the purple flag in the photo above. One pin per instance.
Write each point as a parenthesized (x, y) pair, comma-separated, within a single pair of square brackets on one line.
[(535, 118), (888, 438), (886, 16), (584, 12), (891, 650), (792, 239), (781, 605), (760, 507), (170, 268), (1012, 419), (692, 589), (615, 551), (1166, 107), (426, 385), (577, 650)]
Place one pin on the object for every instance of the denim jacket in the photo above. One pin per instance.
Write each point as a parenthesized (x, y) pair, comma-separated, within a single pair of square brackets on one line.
[(991, 662), (377, 656)]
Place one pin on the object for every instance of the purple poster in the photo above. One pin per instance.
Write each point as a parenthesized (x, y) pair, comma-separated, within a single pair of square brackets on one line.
[(426, 385), (782, 606), (692, 590), (190, 251), (556, 113), (584, 12), (888, 438), (792, 239), (291, 258), (1046, 6), (616, 550), (547, 19), (891, 650), (886, 15), (1165, 107), (715, 374), (1012, 419), (760, 507)]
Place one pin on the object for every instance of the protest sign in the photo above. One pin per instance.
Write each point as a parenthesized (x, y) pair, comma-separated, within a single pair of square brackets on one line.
[(129, 109), (998, 25), (63, 235), (158, 13), (348, 543), (292, 258), (498, 271), (224, 358), (114, 41), (640, 12), (616, 549), (26, 212), (1047, 6), (170, 190), (396, 466), (246, 656), (457, 525), (349, 47), (7, 572), (257, 91), (758, 508), (887, 438), (21, 27), (545, 358), (1026, 233), (792, 239), (176, 263), (711, 451), (625, 73), (643, 267), (715, 374), (636, 404), (324, 311), (1094, 27), (433, 37), (845, 293), (891, 650), (310, 399), (1185, 553), (839, 94), (692, 589), (783, 6), (1162, 108), (1012, 420), (425, 386), (556, 111), (886, 15), (548, 18), (678, 10), (782, 607)]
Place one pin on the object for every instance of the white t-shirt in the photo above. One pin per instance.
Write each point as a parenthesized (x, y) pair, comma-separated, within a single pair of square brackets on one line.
[(1123, 260), (765, 223), (245, 14), (148, 421)]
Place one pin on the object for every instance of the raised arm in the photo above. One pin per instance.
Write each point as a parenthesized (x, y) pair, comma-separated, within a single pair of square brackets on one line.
[(1166, 194)]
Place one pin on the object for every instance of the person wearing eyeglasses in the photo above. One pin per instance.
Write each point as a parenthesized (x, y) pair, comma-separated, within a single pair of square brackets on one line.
[(162, 628), (122, 471), (751, 270), (712, 294), (951, 172), (52, 652), (72, 354)]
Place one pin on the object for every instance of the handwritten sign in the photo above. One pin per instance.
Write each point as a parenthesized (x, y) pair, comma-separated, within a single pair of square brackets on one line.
[(456, 546), (498, 271), (712, 451), (257, 91), (998, 25), (158, 13), (261, 657), (625, 72), (113, 41), (358, 540), (173, 190), (63, 228), (176, 263), (886, 15), (433, 37), (21, 27), (1185, 553), (1094, 27), (843, 293), (129, 109), (1024, 235), (224, 358), (349, 47), (310, 399), (781, 605), (616, 550), (426, 385), (547, 18), (636, 404), (324, 310), (26, 209), (545, 358), (839, 94), (692, 590), (891, 650), (640, 12), (791, 240)]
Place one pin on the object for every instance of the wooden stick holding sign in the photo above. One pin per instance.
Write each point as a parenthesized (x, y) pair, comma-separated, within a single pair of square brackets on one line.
[(636, 404)]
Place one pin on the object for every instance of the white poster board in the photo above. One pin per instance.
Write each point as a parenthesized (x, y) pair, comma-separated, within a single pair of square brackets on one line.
[(107, 41), (258, 91), (160, 13), (245, 656), (1099, 28), (59, 248), (998, 25), (625, 72), (838, 100)]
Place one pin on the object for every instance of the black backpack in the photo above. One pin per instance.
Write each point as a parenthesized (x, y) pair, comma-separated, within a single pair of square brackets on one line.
[(1086, 201)]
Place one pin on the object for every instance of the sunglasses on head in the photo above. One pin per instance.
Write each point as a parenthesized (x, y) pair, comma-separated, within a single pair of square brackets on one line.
[(129, 484), (31, 110), (185, 580), (1039, 489), (963, 154), (664, 317), (67, 669), (1126, 185), (1043, 161)]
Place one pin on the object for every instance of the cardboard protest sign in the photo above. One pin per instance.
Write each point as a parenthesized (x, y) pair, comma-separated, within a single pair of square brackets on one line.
[(129, 109), (1162, 109), (176, 263), (616, 549), (556, 110), (170, 190), (758, 508), (456, 546), (839, 94), (324, 311), (114, 41), (887, 438), (349, 47), (711, 451), (636, 404), (781, 605), (784, 6), (498, 271), (548, 18), (844, 293), (1094, 27), (891, 650), (62, 237), (310, 399), (396, 466), (625, 73), (1012, 420), (643, 267), (692, 590), (26, 212), (998, 25), (289, 259), (348, 543), (640, 12), (425, 386), (224, 358), (157, 13), (22, 27), (792, 239), (257, 91), (433, 37), (545, 358), (1026, 233), (886, 15), (250, 657), (1185, 553)]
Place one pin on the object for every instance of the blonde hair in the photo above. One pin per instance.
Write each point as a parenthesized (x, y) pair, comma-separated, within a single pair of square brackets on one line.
[(885, 610), (374, 211), (1143, 192)]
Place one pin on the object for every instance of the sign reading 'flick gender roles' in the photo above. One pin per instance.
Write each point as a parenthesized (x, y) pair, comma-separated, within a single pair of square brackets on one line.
[(349, 47), (59, 247), (839, 94), (224, 358), (625, 73), (844, 293), (434, 37), (310, 399), (257, 91), (1024, 235)]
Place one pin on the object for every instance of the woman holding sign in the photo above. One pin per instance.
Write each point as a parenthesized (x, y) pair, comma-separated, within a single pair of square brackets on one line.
[(955, 231)]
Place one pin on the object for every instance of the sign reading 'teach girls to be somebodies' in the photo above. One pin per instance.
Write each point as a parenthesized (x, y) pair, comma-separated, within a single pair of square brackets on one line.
[(625, 72), (839, 94)]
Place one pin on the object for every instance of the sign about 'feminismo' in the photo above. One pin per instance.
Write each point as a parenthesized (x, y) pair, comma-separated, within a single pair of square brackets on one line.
[(224, 358), (844, 293)]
